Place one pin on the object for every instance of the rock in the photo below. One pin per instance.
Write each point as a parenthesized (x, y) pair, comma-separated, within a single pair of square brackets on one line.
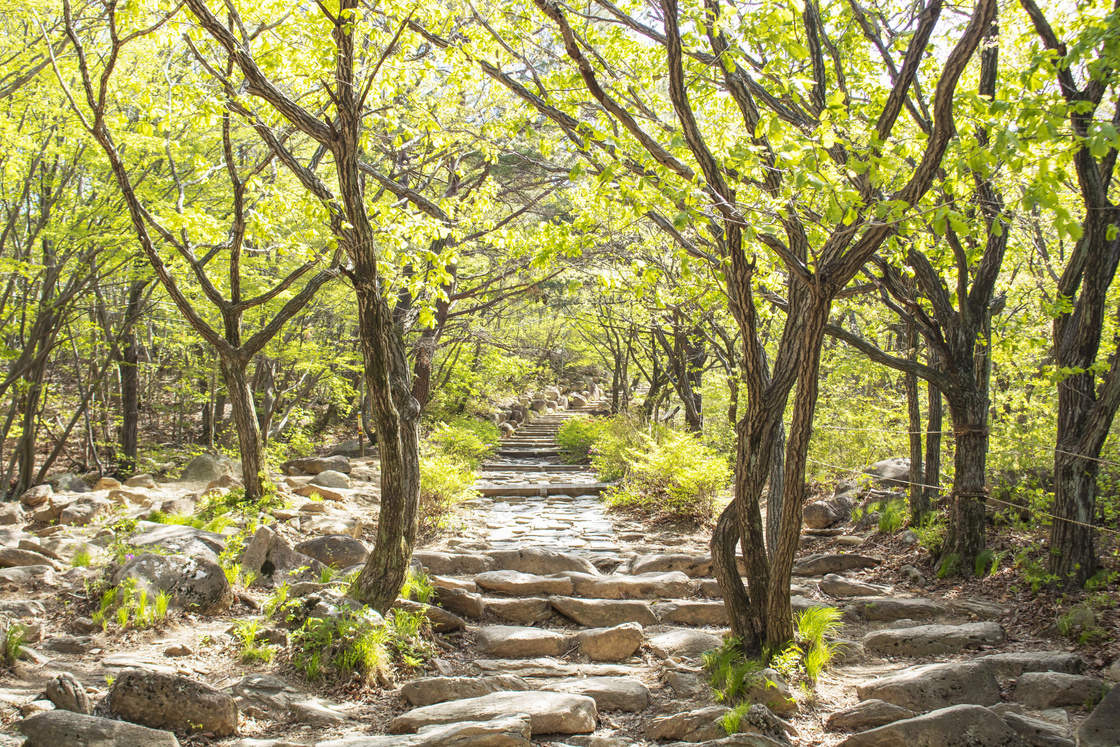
[(106, 483), (691, 613), (683, 643), (694, 566), (511, 731), (894, 608), (602, 613), (13, 557), (36, 496), (129, 498), (58, 728), (894, 471), (349, 448), (11, 514), (270, 557), (1113, 672), (611, 644), (178, 539), (318, 465), (28, 575), (1014, 664), (67, 694), (195, 584), (68, 482), (817, 565), (261, 694), (513, 642), (68, 644), (178, 650), (866, 715), (609, 693), (453, 564), (225, 481), (208, 467), (331, 479), (930, 640), (1041, 690), (327, 494), (83, 512), (462, 602), (440, 619), (647, 586), (442, 689), (823, 514), (22, 609), (839, 586), (549, 713), (141, 481), (956, 726), (1036, 732), (690, 726), (539, 562), (335, 550), (519, 611), (1102, 728), (169, 701), (933, 686), (515, 582)]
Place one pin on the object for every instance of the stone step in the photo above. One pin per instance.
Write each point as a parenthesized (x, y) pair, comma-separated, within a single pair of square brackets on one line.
[(528, 453), (549, 712), (573, 489), (499, 467)]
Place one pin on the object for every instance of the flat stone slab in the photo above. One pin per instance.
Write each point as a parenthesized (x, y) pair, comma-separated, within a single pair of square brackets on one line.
[(512, 641), (1042, 690), (647, 586), (604, 613), (1014, 664), (894, 608), (541, 562), (453, 564), (694, 566), (927, 688), (683, 643), (929, 640), (958, 726), (609, 693), (549, 713), (548, 668), (432, 690), (518, 583), (688, 612), (1102, 728), (520, 611), (838, 586), (819, 565), (867, 715), (511, 731)]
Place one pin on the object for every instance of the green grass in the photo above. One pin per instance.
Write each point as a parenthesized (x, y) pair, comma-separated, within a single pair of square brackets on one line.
[(730, 672), (131, 607), (892, 515), (418, 587), (813, 627), (82, 559), (14, 637), (252, 650)]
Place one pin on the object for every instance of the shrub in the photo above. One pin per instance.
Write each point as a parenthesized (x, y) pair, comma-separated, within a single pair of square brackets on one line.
[(444, 482), (931, 531), (467, 440), (730, 672), (618, 443), (578, 437), (892, 515), (359, 643)]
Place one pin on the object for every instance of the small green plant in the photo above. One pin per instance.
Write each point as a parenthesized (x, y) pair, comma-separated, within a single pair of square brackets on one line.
[(733, 719), (349, 644), (130, 606), (252, 649), (327, 574), (444, 482), (277, 601), (82, 559), (892, 515), (14, 637), (950, 566), (931, 531), (858, 513), (466, 440), (987, 562), (418, 586), (814, 625), (730, 672)]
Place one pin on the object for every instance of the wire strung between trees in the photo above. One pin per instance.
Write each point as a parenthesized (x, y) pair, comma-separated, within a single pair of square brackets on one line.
[(985, 496)]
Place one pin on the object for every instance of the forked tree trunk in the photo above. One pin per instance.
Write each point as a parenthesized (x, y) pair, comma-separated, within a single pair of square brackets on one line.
[(254, 467)]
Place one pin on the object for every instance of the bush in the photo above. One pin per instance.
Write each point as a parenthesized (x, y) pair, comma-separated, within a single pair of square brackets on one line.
[(467, 440), (578, 437), (444, 482), (674, 478)]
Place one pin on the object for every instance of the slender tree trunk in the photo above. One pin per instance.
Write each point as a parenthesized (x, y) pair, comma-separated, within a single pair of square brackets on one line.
[(934, 422), (967, 510), (775, 490), (254, 467), (919, 502), (130, 386), (206, 432)]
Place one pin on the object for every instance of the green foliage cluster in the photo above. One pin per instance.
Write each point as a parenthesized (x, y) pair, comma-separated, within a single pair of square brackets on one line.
[(130, 607), (444, 482), (252, 649), (578, 437), (465, 439), (418, 586), (12, 640), (359, 643), (730, 672)]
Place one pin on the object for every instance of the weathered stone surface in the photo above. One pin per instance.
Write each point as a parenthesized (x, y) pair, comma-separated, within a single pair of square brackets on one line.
[(453, 564), (516, 582), (541, 562), (68, 482), (771, 690), (688, 612), (510, 731), (601, 613), (929, 640), (270, 557), (1015, 663), (546, 667), (690, 726), (68, 644), (331, 479), (549, 713), (1038, 733), (178, 539), (141, 481), (168, 701), (442, 689), (83, 511), (68, 694), (956, 726), (749, 739), (335, 550), (322, 491), (440, 619), (817, 565), (1041, 690), (28, 575), (195, 584), (839, 586), (694, 566), (11, 514), (13, 557), (647, 586), (611, 644), (259, 695), (934, 686), (1102, 728), (823, 514), (461, 602), (513, 642), (318, 465), (106, 483), (894, 471), (36, 496), (609, 693), (894, 608), (683, 643), (58, 728), (867, 715), (208, 467), (519, 611)]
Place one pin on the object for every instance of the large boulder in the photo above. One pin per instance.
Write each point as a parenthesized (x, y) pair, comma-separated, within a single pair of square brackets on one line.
[(1042, 690), (69, 729), (516, 582), (1102, 728), (335, 550), (195, 584), (934, 686), (611, 644), (956, 726), (602, 613), (818, 565), (275, 562), (823, 514), (609, 693), (178, 539), (68, 482), (208, 467), (894, 471), (168, 701), (331, 479), (36, 496), (316, 465)]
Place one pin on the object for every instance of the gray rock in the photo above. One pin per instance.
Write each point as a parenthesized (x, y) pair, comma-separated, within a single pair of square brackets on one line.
[(549, 713), (259, 695), (1041, 690), (36, 496), (826, 513), (318, 465), (141, 481), (335, 550), (349, 448), (818, 565), (540, 562), (68, 482), (1102, 728), (513, 642), (1036, 732), (519, 611), (168, 701), (956, 726), (609, 693), (894, 608), (331, 479), (688, 612), (461, 602), (195, 584), (934, 686), (11, 514), (690, 726), (178, 539), (694, 566), (28, 575), (839, 586), (602, 613), (432, 690), (270, 557), (683, 643), (929, 640), (13, 557), (894, 471), (68, 644), (68, 694), (1014, 664), (511, 731), (647, 586), (453, 564), (611, 644), (58, 728), (516, 582), (867, 715), (440, 619), (83, 512), (208, 467)]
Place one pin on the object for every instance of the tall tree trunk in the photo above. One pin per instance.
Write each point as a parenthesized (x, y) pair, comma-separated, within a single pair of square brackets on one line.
[(934, 422), (967, 510), (1073, 555), (775, 490), (919, 502), (254, 467), (130, 385)]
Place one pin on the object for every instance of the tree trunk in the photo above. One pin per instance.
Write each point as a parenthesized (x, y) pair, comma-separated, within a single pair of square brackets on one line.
[(967, 510), (919, 502), (775, 490), (934, 422), (1073, 554), (254, 467)]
